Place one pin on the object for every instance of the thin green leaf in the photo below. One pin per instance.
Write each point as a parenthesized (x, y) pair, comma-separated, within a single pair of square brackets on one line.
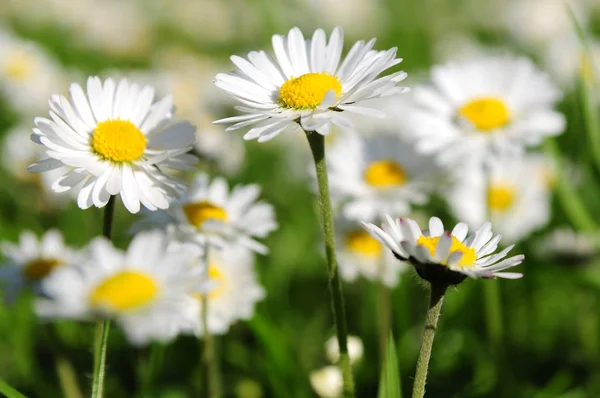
[(570, 200), (389, 381), (8, 391), (586, 83)]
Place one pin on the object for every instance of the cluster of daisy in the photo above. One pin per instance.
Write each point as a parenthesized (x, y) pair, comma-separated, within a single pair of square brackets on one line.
[(195, 243)]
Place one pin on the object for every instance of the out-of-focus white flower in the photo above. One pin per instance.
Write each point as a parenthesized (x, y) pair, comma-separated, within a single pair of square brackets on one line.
[(307, 86), (146, 289), (232, 288), (375, 174), (359, 254), (209, 212), (327, 382), (114, 138), (564, 245), (210, 20), (514, 194), (565, 58), (116, 27), (189, 78), (364, 16), (439, 255), (355, 349), (18, 152), (474, 110), (32, 260), (28, 75), (540, 22)]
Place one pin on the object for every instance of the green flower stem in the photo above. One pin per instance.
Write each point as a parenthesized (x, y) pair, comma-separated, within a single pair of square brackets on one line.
[(317, 146), (383, 318), (491, 294), (102, 327), (436, 299), (209, 355)]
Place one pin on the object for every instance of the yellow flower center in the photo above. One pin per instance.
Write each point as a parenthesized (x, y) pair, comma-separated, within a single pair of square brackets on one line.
[(200, 212), (217, 279), (501, 197), (118, 141), (124, 291), (20, 66), (486, 113), (360, 242), (40, 268), (385, 173), (308, 91), (469, 254)]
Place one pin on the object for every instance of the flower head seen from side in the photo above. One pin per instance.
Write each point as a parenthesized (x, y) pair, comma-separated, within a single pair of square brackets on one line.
[(446, 257), (566, 246), (481, 107), (361, 255), (32, 260), (378, 174), (514, 193), (307, 85), (115, 140), (145, 289), (209, 211), (232, 288)]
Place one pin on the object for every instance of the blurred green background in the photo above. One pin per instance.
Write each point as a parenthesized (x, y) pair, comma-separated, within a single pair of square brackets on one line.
[(551, 341)]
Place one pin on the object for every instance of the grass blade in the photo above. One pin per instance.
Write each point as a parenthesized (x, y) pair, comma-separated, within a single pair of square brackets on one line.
[(8, 391), (389, 381)]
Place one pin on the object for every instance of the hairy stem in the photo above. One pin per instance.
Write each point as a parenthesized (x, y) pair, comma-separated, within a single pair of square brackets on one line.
[(317, 146)]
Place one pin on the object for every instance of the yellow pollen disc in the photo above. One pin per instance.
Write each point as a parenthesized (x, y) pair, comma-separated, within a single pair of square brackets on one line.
[(118, 141), (308, 91), (501, 197), (385, 173), (19, 66), (217, 280), (40, 268), (200, 212), (486, 113), (127, 290), (469, 254), (360, 242)]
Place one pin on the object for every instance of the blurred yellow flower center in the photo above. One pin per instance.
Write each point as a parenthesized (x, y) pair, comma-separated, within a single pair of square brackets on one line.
[(124, 291), (118, 141), (486, 113), (19, 66), (308, 91), (469, 254), (501, 197), (385, 173), (360, 242), (40, 268), (200, 212), (217, 280)]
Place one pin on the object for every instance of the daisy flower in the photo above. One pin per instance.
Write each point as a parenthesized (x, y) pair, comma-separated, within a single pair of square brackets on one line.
[(359, 254), (28, 74), (18, 152), (514, 193), (210, 212), (32, 260), (232, 288), (145, 289), (327, 382), (115, 140), (378, 174), (564, 245), (446, 257), (307, 85), (355, 349), (477, 108)]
